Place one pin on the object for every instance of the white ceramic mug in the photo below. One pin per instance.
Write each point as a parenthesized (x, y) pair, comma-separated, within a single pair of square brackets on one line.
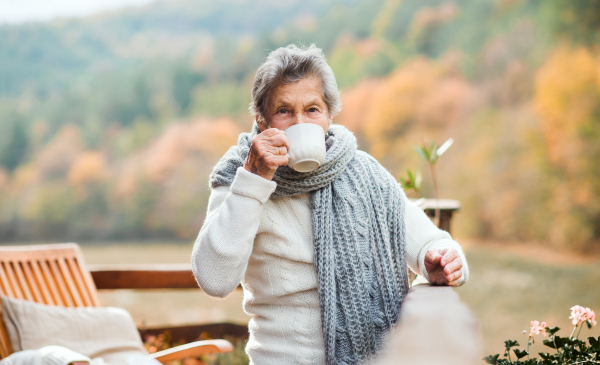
[(307, 146)]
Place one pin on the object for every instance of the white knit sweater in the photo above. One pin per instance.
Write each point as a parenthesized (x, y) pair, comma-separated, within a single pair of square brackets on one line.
[(267, 245)]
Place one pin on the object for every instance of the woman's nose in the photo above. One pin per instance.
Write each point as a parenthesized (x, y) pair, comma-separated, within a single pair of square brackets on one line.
[(299, 118)]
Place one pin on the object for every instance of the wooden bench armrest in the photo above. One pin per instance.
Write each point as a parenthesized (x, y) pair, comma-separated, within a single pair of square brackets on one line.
[(197, 348), (143, 276)]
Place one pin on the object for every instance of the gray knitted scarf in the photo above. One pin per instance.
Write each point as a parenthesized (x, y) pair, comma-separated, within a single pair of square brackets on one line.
[(358, 231)]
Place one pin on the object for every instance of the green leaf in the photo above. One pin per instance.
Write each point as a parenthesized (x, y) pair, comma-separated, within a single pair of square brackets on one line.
[(594, 343), (492, 359), (405, 184), (562, 341), (411, 182), (545, 355), (520, 353), (552, 330), (550, 344), (421, 151), (510, 343)]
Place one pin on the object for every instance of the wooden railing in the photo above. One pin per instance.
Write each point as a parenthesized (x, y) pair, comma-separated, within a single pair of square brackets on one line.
[(435, 327)]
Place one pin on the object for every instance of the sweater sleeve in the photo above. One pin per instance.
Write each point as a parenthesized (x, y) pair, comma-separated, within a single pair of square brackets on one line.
[(421, 236), (223, 247)]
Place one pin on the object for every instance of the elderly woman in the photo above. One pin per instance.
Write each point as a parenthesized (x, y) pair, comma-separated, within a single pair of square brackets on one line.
[(322, 256)]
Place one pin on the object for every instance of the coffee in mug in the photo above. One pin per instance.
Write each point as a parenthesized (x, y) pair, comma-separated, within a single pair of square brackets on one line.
[(307, 146)]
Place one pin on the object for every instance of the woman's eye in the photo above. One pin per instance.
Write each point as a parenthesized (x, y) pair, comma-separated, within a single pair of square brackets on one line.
[(312, 110), (283, 111)]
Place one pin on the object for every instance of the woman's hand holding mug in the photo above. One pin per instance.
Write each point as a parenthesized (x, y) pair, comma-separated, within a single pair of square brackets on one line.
[(268, 151)]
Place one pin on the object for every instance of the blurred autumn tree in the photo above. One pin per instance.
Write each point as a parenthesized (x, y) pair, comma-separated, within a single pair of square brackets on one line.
[(568, 103), (16, 148), (577, 20), (110, 125)]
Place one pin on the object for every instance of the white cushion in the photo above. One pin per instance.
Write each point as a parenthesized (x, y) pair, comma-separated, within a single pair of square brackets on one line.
[(107, 332), (49, 355)]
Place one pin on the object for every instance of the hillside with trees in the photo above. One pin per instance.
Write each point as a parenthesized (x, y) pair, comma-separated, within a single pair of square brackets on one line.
[(111, 124)]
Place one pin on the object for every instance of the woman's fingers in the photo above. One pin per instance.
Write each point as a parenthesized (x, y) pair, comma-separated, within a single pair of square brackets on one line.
[(453, 277), (444, 266), (449, 254), (453, 283), (267, 152), (451, 267), (277, 150), (273, 141), (274, 137), (433, 257)]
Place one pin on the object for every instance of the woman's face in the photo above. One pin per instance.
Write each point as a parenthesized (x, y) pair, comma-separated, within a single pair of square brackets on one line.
[(299, 102)]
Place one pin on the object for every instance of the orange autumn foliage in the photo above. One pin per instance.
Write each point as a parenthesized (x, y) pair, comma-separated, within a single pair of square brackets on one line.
[(355, 103), (210, 137), (89, 167), (567, 96), (56, 158), (567, 100), (422, 95)]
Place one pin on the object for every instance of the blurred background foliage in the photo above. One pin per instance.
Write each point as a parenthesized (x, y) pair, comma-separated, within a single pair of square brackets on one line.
[(110, 124)]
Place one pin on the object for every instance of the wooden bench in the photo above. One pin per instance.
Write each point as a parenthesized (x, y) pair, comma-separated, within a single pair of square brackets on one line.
[(57, 275), (162, 276)]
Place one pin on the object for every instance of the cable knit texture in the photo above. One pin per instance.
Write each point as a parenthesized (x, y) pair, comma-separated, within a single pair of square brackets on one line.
[(359, 241)]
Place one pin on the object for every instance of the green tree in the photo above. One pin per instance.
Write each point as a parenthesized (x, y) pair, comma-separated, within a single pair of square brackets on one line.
[(15, 151)]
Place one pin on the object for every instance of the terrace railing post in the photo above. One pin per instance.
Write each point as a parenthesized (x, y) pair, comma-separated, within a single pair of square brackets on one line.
[(447, 209), (435, 327)]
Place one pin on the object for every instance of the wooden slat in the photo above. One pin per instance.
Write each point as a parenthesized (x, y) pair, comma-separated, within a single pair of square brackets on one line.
[(5, 348), (68, 276), (22, 282), (33, 284), (43, 284), (175, 276), (52, 284), (81, 289), (60, 283), (5, 285), (14, 284), (87, 277)]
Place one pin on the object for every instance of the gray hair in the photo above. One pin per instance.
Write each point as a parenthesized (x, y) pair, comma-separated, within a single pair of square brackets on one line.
[(290, 64)]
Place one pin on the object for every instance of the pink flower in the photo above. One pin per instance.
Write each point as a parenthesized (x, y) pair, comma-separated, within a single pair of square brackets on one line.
[(590, 316), (578, 315), (536, 328)]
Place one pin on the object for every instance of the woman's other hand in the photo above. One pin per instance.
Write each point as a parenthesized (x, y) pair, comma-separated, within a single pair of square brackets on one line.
[(268, 151), (444, 266)]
